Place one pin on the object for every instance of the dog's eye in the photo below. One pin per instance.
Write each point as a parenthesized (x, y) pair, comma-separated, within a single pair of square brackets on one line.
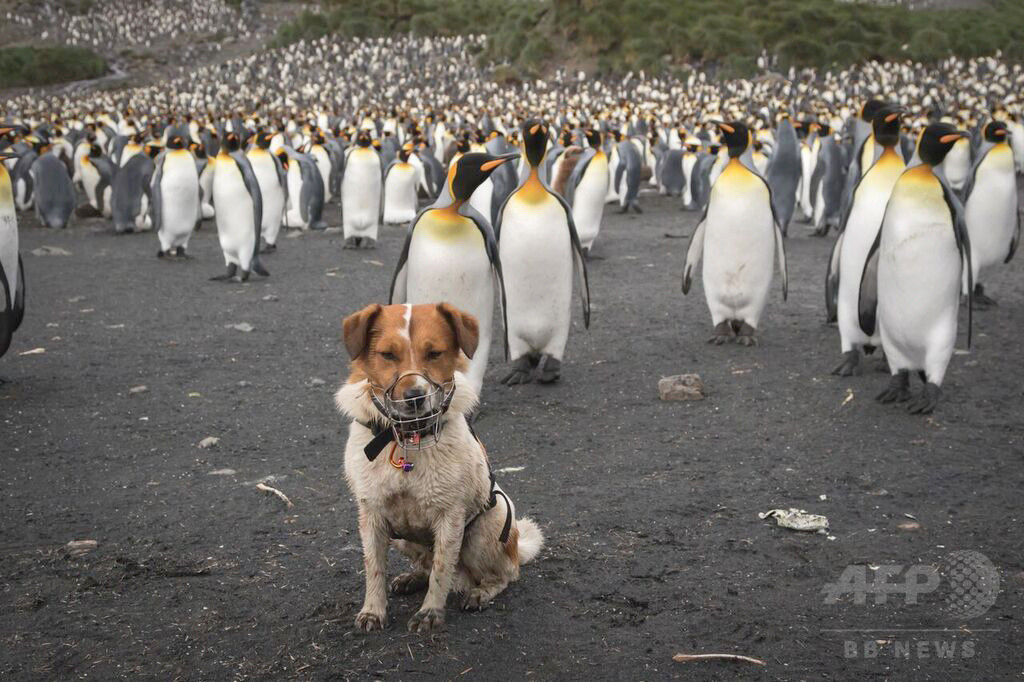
[(389, 356), (434, 354)]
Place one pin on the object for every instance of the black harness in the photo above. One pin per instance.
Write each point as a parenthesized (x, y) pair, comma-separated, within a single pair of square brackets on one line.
[(382, 435)]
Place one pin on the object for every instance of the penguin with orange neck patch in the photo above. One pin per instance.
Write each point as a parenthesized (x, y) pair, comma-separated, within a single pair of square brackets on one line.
[(910, 288), (737, 237), (450, 255), (539, 250)]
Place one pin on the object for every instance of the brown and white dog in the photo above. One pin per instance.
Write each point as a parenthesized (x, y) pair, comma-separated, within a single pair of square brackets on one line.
[(442, 510)]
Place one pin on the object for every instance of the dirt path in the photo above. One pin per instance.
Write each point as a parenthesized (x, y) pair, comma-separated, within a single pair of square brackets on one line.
[(650, 508)]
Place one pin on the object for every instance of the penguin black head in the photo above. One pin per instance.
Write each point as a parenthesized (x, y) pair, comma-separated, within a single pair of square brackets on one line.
[(593, 137), (232, 143), (462, 146), (935, 142), (263, 139), (94, 151), (176, 142), (363, 139), (198, 149), (404, 152), (282, 156), (736, 135), (996, 131), (870, 108), (824, 130), (470, 172), (151, 150), (535, 141), (886, 125)]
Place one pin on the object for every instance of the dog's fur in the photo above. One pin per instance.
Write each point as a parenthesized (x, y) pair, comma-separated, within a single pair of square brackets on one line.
[(449, 486)]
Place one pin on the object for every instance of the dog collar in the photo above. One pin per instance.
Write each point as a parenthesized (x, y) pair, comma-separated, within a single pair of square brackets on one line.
[(385, 434)]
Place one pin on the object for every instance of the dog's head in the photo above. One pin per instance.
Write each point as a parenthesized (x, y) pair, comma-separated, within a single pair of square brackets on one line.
[(409, 355)]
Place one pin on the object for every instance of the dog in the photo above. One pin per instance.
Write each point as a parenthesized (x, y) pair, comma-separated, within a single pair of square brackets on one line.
[(418, 473)]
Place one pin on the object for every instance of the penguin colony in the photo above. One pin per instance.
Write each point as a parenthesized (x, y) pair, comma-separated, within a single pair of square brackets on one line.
[(913, 167)]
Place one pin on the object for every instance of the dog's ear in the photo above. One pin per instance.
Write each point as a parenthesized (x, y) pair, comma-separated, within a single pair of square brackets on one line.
[(357, 328), (467, 331)]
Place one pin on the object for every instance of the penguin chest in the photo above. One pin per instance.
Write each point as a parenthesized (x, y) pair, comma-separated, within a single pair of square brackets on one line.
[(360, 188), (448, 262), (235, 221), (593, 186), (739, 240), (991, 210)]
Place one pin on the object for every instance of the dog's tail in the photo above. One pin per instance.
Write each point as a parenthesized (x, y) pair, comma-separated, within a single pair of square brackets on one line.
[(531, 539)]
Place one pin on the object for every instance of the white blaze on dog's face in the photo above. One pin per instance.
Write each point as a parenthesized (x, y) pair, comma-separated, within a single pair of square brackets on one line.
[(410, 344)]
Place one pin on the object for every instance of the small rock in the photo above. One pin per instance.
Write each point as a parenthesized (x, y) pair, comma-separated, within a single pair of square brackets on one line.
[(316, 381), (333, 230), (76, 299), (241, 327), (50, 251), (681, 387), (77, 548), (138, 389), (222, 472), (209, 442), (270, 297), (374, 262), (34, 351), (909, 525), (243, 384)]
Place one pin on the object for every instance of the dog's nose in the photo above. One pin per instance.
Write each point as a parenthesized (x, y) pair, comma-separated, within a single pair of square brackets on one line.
[(415, 396)]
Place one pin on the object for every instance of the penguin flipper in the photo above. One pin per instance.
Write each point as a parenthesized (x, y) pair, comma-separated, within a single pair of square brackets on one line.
[(832, 281), (1014, 241), (399, 288), (867, 300), (578, 260), (491, 244), (780, 248), (577, 174), (6, 314), (694, 253), (155, 195), (963, 245), (18, 304), (252, 186)]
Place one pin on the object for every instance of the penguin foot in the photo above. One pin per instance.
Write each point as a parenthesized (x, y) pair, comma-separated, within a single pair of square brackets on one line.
[(723, 333), (269, 248), (522, 370), (351, 243), (550, 369), (898, 390), (746, 335), (927, 400), (850, 366), (368, 243), (244, 276), (636, 208), (180, 253), (981, 300), (231, 274), (162, 254), (258, 268)]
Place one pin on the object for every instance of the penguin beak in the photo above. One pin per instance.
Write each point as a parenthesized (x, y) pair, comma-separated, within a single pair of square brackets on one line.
[(496, 161), (953, 137), (4, 156), (725, 127), (1002, 132)]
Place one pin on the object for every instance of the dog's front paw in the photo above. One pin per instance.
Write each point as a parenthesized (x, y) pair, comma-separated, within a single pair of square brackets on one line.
[(475, 600), (410, 583), (426, 620), (369, 620)]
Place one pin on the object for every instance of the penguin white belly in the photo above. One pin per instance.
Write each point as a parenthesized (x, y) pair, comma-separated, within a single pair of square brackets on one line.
[(108, 192), (589, 200), (739, 248), (449, 262), (265, 170), (400, 194), (807, 163), (90, 178), (8, 233), (206, 183), (323, 163), (235, 220), (957, 164), (142, 220), (1017, 143), (537, 265), (613, 167), (991, 210), (481, 198), (179, 199), (293, 212), (918, 281), (128, 152), (861, 230), (819, 204), (360, 194), (21, 198), (689, 160)]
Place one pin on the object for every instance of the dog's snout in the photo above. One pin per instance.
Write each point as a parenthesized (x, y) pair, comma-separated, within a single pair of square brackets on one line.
[(415, 396)]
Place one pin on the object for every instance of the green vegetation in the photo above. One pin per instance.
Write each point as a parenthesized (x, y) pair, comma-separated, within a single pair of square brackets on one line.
[(615, 36), (33, 66)]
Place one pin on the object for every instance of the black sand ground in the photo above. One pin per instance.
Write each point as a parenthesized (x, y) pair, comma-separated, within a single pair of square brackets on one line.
[(653, 542)]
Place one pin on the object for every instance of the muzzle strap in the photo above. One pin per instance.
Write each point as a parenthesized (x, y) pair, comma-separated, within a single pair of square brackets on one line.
[(381, 438)]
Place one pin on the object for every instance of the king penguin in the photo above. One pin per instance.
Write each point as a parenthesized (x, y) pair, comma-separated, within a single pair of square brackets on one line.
[(737, 237), (911, 283), (53, 193), (783, 172), (270, 175), (588, 188), (12, 273), (858, 233), (129, 197), (400, 180), (539, 250), (993, 221), (236, 192), (361, 194), (174, 197), (450, 254)]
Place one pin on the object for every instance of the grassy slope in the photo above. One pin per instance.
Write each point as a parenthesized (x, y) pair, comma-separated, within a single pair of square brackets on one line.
[(31, 66)]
